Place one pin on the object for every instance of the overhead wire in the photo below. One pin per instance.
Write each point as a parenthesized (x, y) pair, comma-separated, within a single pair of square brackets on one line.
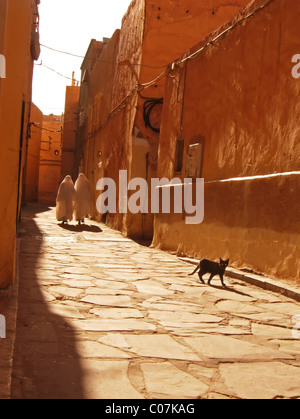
[(191, 56), (167, 68), (44, 129), (103, 61), (62, 52), (51, 69), (237, 23)]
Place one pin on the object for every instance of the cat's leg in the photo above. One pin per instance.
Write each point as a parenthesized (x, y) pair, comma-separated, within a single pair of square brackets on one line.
[(211, 277), (222, 280), (201, 273)]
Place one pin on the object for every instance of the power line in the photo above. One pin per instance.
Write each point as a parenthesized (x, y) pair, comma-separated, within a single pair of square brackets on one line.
[(44, 129), (216, 38), (103, 61), (163, 66), (62, 52), (168, 68), (54, 71)]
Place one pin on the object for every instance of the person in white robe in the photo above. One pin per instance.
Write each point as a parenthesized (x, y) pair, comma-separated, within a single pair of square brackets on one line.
[(83, 200), (65, 201)]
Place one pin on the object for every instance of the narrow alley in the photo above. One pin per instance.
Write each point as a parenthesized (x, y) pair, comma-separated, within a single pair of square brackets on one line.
[(101, 316)]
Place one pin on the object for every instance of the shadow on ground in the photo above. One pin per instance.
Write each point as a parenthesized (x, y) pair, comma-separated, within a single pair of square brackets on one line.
[(81, 228), (46, 364), (230, 289)]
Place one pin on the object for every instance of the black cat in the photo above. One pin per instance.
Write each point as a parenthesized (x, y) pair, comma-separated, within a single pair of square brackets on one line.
[(206, 266)]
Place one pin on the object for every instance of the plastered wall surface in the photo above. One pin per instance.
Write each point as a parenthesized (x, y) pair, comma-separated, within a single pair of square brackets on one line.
[(50, 158), (238, 95), (71, 117), (15, 37), (33, 155), (153, 34)]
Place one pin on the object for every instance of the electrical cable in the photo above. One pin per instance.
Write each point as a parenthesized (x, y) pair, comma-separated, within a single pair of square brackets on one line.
[(148, 107), (43, 129), (61, 75), (102, 61), (195, 54), (62, 52), (51, 69)]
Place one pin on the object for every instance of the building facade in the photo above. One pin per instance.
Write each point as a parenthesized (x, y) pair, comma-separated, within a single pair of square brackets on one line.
[(50, 158), (19, 47), (225, 111), (122, 90), (239, 105), (31, 185), (71, 118)]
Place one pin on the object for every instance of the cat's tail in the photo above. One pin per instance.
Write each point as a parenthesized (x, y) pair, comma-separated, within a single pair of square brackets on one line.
[(198, 267)]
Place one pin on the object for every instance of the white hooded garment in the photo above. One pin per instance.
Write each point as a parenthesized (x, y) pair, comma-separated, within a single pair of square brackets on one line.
[(83, 201), (65, 200)]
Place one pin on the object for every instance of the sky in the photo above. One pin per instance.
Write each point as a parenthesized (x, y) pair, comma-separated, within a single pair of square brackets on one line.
[(69, 26)]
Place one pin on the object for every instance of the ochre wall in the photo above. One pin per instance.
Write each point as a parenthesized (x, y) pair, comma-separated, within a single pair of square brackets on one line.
[(153, 34), (245, 98), (97, 139), (250, 221), (50, 163), (171, 27), (240, 97), (15, 38), (69, 131), (33, 155), (125, 83), (2, 24), (112, 106)]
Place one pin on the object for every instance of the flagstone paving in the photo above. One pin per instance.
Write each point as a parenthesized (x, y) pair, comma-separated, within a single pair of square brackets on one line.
[(101, 316)]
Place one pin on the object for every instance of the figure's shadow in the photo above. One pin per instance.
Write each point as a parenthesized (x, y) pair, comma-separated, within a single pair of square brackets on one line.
[(46, 362), (81, 228)]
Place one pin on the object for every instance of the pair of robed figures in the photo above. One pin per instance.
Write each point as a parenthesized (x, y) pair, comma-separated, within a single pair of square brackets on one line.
[(74, 201)]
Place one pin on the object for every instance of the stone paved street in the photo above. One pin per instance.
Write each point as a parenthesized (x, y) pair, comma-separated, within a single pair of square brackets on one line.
[(101, 316)]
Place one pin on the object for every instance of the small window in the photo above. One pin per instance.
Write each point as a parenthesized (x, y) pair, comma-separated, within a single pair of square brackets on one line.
[(179, 155), (195, 159)]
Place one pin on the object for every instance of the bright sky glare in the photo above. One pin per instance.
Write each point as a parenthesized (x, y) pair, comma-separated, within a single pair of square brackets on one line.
[(69, 25)]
